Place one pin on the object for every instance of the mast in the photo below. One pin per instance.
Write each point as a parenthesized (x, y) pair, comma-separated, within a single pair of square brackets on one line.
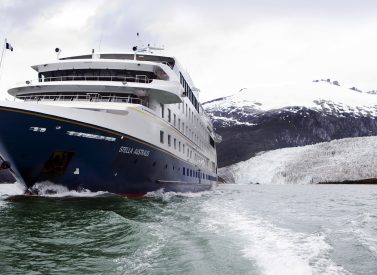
[(2, 54)]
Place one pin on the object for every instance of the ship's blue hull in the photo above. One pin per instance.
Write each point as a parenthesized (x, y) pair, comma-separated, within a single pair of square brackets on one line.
[(77, 155)]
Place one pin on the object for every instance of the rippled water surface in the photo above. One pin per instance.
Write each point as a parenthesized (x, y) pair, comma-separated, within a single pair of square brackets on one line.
[(235, 229)]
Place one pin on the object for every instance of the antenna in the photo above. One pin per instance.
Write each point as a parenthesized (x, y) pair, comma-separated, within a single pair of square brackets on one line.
[(100, 41), (148, 48), (139, 40)]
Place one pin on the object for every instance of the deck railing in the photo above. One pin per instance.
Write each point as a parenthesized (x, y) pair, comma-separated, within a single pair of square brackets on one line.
[(123, 79), (86, 97)]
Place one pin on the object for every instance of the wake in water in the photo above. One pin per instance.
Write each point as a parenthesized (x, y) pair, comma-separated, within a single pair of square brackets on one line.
[(166, 196), (275, 250)]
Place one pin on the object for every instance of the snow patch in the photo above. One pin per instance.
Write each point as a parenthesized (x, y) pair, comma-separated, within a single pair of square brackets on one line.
[(314, 95)]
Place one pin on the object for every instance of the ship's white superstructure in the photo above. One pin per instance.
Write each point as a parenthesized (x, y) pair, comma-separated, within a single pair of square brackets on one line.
[(137, 96)]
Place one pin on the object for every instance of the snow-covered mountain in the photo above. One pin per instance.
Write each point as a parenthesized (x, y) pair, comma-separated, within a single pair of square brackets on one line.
[(351, 159), (267, 118)]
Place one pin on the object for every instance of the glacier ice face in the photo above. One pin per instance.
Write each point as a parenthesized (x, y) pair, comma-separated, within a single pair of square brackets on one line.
[(336, 161)]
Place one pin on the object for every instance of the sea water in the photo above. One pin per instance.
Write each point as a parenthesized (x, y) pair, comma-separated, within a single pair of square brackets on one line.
[(234, 229)]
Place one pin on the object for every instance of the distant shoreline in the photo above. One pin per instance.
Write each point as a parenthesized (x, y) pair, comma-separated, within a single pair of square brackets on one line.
[(363, 181)]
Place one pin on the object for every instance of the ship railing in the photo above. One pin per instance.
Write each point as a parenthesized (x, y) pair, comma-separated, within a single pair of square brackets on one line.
[(124, 79), (93, 97)]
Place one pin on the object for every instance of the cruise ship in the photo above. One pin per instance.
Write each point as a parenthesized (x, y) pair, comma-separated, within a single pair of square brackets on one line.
[(126, 123)]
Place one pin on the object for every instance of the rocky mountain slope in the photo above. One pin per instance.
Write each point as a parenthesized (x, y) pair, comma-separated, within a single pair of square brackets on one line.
[(268, 118)]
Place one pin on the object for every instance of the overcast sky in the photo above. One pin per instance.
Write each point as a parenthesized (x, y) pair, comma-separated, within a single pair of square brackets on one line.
[(224, 45)]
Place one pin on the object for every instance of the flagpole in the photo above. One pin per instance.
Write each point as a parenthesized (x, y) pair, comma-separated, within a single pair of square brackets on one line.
[(2, 54)]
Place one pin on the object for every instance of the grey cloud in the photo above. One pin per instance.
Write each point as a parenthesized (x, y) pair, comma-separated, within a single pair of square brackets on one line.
[(19, 14)]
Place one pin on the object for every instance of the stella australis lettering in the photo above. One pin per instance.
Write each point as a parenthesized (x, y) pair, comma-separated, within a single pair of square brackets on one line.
[(134, 151)]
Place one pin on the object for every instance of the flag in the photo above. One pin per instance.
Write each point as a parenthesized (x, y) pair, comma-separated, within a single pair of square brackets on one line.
[(8, 46)]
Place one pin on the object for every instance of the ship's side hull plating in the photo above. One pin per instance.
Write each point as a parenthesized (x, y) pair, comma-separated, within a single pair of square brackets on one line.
[(78, 155)]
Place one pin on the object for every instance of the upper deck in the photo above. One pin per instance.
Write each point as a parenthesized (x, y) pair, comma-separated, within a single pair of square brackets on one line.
[(132, 74)]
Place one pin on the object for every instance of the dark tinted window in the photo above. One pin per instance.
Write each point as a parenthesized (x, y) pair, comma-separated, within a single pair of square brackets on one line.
[(117, 56), (88, 56), (154, 58)]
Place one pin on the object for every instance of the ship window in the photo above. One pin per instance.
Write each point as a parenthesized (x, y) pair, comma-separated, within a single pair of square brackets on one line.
[(117, 56), (175, 143), (77, 57), (179, 124), (211, 141), (155, 58), (175, 118), (183, 149), (183, 170), (161, 136), (154, 164), (179, 146), (162, 110), (169, 140), (169, 115)]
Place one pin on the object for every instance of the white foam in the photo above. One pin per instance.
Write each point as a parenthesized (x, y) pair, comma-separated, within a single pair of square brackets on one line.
[(363, 231), (275, 250), (48, 189), (11, 189), (161, 194)]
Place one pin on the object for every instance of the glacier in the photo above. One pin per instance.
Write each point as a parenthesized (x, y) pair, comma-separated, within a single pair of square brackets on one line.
[(349, 159)]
